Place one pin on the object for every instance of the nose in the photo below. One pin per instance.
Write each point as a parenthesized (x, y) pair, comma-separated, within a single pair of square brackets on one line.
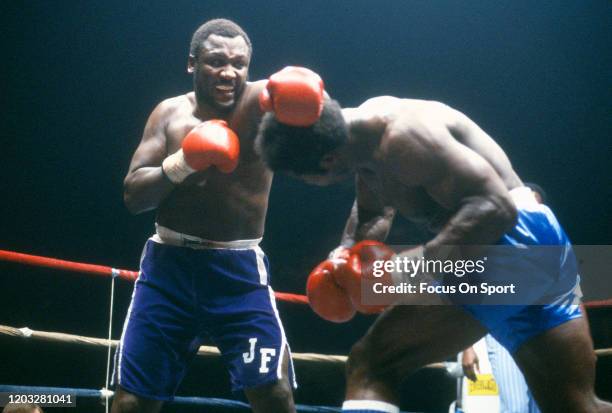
[(228, 73)]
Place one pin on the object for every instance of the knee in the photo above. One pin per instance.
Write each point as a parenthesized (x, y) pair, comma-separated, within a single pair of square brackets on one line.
[(370, 374), (277, 397), (368, 365), (126, 403), (282, 390), (372, 361), (357, 363)]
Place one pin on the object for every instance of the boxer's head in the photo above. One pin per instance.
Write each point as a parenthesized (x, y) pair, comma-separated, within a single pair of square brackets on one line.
[(309, 153), (219, 57), (22, 408)]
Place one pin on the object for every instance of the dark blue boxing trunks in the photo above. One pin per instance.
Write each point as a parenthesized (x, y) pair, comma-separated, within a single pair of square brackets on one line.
[(189, 289)]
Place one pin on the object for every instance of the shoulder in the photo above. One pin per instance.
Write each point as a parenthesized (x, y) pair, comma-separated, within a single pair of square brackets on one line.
[(394, 106), (170, 106), (404, 113), (166, 112), (438, 114), (249, 101), (423, 110), (175, 102), (257, 85), (417, 118), (253, 89), (370, 116), (380, 104), (417, 129)]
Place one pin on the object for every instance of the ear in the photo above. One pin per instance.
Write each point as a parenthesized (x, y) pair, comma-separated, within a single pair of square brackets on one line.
[(191, 63)]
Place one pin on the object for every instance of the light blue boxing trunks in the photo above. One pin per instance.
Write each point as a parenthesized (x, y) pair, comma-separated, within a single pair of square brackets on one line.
[(542, 264)]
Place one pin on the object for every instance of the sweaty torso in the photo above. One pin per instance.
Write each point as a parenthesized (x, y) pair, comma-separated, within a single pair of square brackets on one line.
[(211, 204), (411, 202), (381, 176)]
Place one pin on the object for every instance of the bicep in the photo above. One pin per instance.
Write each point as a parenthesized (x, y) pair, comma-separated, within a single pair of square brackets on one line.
[(468, 175), (152, 148)]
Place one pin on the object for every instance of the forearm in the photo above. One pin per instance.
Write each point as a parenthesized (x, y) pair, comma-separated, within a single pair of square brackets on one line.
[(367, 225), (145, 188), (479, 221)]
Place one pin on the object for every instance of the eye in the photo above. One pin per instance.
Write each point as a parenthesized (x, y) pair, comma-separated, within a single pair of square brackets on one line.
[(215, 62), (239, 65)]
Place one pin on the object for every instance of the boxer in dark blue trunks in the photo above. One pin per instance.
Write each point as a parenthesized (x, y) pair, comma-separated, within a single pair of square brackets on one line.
[(435, 166), (191, 289), (203, 273)]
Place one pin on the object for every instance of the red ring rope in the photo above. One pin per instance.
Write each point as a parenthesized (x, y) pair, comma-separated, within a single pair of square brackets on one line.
[(103, 270), (128, 275)]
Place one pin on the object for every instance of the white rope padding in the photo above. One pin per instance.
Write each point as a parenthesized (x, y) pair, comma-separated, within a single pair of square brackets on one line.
[(204, 351)]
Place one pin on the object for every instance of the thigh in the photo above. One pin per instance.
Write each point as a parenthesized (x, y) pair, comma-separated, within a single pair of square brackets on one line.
[(405, 338), (126, 402), (273, 397), (252, 342), (159, 334), (239, 314), (559, 366)]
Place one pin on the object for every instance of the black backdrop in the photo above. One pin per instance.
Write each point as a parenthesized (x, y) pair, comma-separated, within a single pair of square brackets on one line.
[(80, 78)]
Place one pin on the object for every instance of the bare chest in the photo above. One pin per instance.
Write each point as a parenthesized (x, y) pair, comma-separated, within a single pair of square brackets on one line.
[(180, 125), (411, 202), (249, 178)]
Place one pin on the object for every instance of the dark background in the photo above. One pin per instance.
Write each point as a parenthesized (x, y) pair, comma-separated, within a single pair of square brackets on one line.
[(79, 80)]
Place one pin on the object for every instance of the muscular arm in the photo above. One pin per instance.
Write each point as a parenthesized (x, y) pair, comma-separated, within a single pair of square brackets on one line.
[(145, 186), (369, 218), (459, 180)]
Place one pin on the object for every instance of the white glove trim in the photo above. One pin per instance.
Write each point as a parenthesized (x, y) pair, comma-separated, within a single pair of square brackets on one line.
[(175, 167)]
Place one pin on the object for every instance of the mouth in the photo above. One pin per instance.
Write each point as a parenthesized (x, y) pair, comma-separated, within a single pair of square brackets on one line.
[(225, 91)]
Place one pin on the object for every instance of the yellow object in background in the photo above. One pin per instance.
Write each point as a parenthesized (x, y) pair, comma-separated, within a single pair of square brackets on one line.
[(484, 386)]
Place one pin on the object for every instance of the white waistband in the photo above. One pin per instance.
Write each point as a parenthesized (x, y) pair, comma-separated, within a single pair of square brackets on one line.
[(164, 235), (524, 197)]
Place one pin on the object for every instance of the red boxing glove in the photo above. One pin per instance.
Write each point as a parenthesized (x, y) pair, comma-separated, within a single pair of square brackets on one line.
[(211, 143), (359, 270), (327, 298), (295, 95)]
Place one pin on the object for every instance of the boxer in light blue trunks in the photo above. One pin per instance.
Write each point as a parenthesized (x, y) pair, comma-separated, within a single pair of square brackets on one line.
[(435, 166), (514, 394), (537, 257)]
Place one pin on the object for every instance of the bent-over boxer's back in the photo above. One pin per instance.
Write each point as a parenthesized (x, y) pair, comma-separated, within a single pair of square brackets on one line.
[(468, 133), (428, 116)]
